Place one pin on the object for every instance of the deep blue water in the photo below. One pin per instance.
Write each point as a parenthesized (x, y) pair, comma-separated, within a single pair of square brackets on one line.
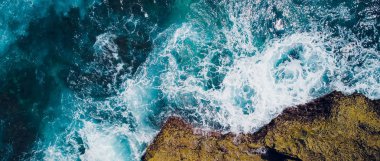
[(95, 79)]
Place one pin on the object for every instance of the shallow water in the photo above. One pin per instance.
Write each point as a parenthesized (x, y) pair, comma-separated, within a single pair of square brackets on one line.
[(94, 80)]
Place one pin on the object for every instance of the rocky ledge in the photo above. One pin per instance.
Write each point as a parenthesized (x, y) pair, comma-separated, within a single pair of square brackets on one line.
[(334, 127)]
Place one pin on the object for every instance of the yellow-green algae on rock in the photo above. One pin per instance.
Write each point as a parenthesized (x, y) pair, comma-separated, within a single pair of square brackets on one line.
[(334, 127)]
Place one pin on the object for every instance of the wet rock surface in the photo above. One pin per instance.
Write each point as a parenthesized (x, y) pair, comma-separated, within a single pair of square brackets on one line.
[(334, 127)]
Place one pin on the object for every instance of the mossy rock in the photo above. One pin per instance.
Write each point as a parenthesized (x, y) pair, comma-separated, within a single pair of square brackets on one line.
[(334, 127)]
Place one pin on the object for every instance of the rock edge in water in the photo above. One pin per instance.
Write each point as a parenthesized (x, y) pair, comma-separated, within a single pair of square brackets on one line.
[(333, 127)]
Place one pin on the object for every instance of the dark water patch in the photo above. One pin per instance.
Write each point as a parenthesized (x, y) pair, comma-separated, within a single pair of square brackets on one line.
[(273, 155), (69, 38), (23, 98)]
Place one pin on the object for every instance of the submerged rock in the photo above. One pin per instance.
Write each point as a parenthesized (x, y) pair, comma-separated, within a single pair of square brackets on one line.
[(334, 127)]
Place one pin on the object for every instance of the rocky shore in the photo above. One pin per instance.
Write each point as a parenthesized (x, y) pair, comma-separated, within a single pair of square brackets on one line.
[(333, 127)]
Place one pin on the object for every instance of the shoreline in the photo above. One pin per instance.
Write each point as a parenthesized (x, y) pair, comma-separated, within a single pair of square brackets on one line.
[(334, 126)]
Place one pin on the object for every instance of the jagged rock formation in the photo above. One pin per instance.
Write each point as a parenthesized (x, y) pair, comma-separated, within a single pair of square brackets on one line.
[(334, 127)]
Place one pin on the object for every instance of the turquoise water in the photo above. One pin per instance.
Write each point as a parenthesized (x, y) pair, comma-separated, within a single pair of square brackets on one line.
[(94, 80)]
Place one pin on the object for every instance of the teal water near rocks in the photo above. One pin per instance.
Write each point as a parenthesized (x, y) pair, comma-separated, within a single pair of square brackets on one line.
[(95, 79)]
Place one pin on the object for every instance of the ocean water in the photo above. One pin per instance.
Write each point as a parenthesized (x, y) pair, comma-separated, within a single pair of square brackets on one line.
[(95, 79)]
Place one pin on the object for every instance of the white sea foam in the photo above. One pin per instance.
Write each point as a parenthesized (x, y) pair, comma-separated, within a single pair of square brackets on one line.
[(269, 83), (100, 144), (107, 139), (112, 143), (256, 88)]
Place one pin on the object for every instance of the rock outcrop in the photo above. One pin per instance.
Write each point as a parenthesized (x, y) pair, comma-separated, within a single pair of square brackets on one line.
[(334, 127)]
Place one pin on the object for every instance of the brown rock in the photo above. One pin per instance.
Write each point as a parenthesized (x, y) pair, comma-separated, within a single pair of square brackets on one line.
[(334, 127)]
